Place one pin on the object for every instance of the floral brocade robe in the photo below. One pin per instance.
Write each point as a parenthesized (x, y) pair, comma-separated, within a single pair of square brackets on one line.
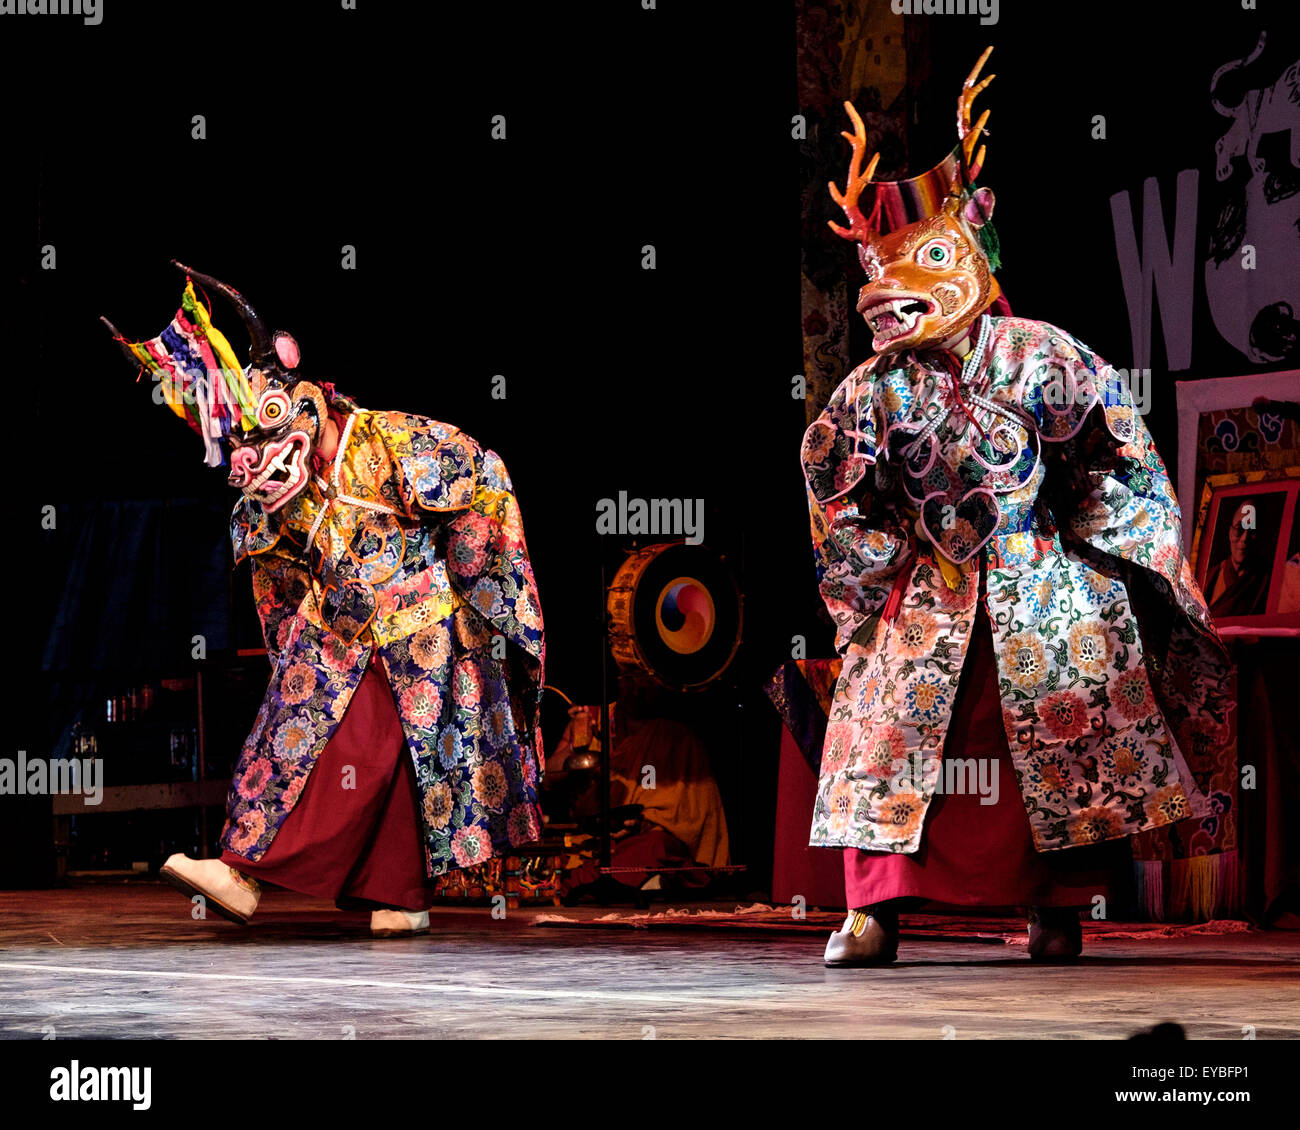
[(410, 543), (1059, 497)]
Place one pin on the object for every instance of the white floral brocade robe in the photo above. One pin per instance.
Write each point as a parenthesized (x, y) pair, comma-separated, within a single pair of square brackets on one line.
[(1034, 467)]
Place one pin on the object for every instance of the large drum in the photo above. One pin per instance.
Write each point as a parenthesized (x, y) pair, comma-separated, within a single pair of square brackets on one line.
[(674, 614)]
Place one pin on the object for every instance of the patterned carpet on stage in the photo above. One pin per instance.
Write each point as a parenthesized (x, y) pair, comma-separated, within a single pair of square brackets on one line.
[(762, 918)]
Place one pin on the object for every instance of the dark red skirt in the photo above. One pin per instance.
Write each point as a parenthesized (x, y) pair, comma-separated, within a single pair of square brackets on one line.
[(360, 846), (974, 854)]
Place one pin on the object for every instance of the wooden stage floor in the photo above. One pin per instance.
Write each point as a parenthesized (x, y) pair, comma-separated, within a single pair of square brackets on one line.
[(128, 962)]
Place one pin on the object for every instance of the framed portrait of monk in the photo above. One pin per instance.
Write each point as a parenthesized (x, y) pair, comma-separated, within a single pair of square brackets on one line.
[(1246, 552), (1231, 425)]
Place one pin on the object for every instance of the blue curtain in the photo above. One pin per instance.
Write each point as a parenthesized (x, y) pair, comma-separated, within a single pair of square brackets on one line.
[(130, 583)]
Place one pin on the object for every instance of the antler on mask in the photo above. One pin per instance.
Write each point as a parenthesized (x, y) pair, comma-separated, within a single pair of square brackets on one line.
[(925, 243), (968, 136), (858, 180)]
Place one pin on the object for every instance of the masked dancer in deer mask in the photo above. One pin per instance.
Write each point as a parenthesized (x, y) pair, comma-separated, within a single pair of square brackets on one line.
[(1029, 669), (398, 737)]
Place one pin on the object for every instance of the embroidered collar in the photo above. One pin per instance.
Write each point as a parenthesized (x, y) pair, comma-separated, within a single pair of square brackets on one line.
[(332, 490), (969, 372)]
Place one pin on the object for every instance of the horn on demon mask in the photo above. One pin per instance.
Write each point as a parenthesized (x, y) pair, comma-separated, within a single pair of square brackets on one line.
[(926, 243), (269, 419), (261, 352)]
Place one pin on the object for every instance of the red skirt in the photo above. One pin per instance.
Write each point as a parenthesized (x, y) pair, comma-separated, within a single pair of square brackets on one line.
[(359, 845), (975, 854)]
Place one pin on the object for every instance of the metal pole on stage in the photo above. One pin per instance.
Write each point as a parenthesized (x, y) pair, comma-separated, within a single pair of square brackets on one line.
[(606, 737)]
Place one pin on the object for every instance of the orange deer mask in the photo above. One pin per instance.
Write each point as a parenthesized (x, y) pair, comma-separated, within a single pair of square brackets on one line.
[(926, 244)]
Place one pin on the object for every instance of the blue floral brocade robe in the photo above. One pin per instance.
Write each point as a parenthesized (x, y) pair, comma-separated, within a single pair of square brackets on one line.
[(1035, 465), (412, 545)]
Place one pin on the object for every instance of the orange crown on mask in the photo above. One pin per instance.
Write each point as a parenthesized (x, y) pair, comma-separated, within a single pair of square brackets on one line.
[(926, 243)]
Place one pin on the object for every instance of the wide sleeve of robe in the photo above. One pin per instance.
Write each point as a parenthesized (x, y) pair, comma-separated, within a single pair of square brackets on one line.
[(444, 476), (1112, 498), (280, 579), (861, 540)]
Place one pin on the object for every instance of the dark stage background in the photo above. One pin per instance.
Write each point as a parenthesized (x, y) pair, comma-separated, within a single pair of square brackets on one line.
[(478, 257)]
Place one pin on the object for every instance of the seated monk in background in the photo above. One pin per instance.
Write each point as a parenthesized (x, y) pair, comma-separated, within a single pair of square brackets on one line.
[(661, 767)]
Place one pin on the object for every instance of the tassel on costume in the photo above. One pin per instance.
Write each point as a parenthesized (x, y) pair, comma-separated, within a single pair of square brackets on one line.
[(951, 574), (1229, 889), (1196, 887), (1149, 881), (1201, 888)]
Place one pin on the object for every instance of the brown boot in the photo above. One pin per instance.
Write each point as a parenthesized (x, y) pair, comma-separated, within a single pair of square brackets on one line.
[(869, 936), (1055, 933)]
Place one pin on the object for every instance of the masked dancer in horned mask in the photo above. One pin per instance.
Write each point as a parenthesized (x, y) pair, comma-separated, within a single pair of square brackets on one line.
[(398, 738), (998, 545)]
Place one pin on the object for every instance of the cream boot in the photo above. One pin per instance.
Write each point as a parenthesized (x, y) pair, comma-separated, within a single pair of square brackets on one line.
[(229, 893), (398, 923), (868, 937)]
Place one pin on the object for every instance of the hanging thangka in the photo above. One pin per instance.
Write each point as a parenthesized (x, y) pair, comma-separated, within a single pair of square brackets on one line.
[(859, 47)]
